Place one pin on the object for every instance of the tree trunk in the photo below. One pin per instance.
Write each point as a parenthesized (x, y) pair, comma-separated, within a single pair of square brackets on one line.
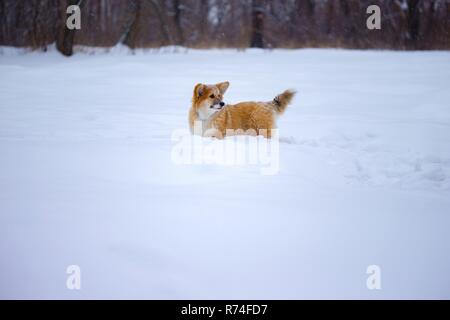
[(132, 29), (413, 23), (177, 21), (64, 40), (257, 40)]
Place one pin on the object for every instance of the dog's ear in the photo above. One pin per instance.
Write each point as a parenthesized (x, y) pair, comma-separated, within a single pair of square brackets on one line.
[(199, 90), (223, 86)]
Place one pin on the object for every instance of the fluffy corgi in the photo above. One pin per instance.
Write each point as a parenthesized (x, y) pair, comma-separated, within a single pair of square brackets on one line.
[(209, 116)]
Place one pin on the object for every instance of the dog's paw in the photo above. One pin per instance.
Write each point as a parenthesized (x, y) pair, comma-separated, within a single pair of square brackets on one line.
[(213, 133)]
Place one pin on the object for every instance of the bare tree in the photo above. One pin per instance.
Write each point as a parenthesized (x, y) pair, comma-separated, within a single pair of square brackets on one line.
[(258, 17), (64, 40)]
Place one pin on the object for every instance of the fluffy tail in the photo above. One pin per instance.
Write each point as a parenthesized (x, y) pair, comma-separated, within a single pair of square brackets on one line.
[(281, 101)]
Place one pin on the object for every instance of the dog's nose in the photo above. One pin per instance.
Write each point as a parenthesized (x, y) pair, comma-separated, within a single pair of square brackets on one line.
[(222, 103)]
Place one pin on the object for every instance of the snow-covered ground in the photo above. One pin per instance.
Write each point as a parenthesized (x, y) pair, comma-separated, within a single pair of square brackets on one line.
[(87, 177)]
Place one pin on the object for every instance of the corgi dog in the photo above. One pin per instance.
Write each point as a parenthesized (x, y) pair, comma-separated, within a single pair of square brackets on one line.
[(216, 119)]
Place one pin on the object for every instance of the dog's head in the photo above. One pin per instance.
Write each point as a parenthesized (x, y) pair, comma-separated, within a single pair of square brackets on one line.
[(208, 99)]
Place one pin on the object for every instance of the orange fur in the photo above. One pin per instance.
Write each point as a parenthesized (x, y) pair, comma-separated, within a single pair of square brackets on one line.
[(242, 118)]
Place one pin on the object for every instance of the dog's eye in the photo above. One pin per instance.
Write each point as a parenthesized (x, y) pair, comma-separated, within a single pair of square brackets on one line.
[(211, 96)]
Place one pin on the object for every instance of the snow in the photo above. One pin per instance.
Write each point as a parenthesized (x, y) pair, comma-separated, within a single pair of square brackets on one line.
[(87, 177)]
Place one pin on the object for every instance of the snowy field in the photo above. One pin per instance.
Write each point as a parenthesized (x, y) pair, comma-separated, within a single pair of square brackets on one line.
[(87, 177)]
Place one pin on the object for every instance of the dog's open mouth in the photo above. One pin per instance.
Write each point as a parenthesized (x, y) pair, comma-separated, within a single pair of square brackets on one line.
[(217, 106)]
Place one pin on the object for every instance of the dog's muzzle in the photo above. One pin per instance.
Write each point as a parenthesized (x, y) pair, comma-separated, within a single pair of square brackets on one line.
[(218, 106)]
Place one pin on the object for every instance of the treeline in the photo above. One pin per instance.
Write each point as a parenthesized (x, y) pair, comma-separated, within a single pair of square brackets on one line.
[(405, 24)]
